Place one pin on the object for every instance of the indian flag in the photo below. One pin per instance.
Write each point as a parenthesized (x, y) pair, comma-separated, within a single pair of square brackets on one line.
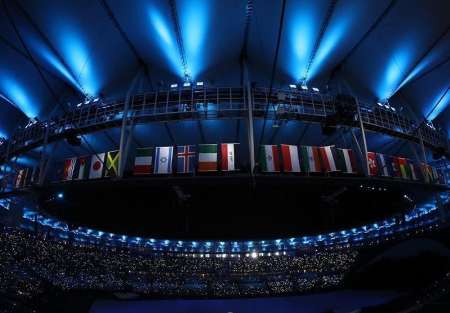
[(143, 161), (310, 159), (207, 157), (269, 158), (291, 162)]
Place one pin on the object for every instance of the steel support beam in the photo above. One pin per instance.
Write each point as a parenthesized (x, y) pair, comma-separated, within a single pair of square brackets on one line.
[(43, 161)]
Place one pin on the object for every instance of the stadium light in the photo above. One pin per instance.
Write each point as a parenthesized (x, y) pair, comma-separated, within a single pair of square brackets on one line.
[(315, 89), (187, 84), (304, 87), (292, 86), (199, 84), (254, 255), (60, 195), (173, 85)]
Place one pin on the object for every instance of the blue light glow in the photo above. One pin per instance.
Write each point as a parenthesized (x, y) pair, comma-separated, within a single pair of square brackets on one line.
[(194, 20), (443, 99), (60, 195), (394, 73), (16, 94), (301, 39), (76, 54), (167, 42)]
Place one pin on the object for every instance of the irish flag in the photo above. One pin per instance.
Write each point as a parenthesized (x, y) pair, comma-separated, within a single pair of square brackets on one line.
[(143, 161), (310, 159), (207, 157), (268, 157), (228, 156), (291, 162), (327, 158)]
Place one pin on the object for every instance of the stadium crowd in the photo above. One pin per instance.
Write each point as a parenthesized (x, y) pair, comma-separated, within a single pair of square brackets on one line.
[(31, 264)]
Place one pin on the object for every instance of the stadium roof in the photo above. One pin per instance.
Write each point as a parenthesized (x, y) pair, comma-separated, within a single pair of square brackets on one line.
[(52, 52)]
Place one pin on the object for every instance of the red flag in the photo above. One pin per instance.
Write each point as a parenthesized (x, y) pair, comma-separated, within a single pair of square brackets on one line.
[(373, 167)]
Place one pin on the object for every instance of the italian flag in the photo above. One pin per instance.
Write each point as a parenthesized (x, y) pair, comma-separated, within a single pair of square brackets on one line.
[(143, 161), (228, 156), (310, 159), (269, 158), (346, 161), (291, 162), (207, 157), (327, 157)]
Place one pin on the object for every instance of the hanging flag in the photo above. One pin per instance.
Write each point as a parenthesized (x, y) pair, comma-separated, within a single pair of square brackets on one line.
[(384, 165), (207, 157), (441, 175), (229, 157), (34, 175), (21, 178), (186, 159), (435, 175), (143, 161), (69, 168), (163, 160), (291, 162), (345, 161), (373, 167), (112, 163), (80, 168), (269, 158), (395, 163), (327, 158), (310, 159), (405, 170), (97, 162), (413, 170)]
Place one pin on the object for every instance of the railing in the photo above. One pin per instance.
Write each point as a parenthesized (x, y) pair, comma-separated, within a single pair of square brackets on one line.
[(213, 103)]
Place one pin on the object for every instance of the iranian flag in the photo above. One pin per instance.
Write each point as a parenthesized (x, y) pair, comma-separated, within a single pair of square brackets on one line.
[(97, 162), (291, 162), (373, 167), (207, 157), (81, 164), (269, 158), (143, 161), (228, 156), (346, 161), (69, 168), (327, 158), (310, 159)]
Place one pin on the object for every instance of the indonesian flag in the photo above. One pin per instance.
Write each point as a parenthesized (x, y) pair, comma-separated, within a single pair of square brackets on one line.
[(97, 162), (327, 156), (228, 157), (291, 162), (310, 159), (163, 160), (346, 161), (207, 157), (81, 164), (373, 167), (69, 168), (143, 161), (269, 158)]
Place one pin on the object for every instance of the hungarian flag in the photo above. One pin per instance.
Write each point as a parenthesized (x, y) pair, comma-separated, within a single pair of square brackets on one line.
[(328, 158), (345, 161), (310, 159), (112, 163), (384, 165), (97, 162), (268, 157), (143, 161), (163, 160), (69, 168), (291, 162), (186, 159), (207, 157), (373, 167), (405, 170), (81, 168), (229, 157)]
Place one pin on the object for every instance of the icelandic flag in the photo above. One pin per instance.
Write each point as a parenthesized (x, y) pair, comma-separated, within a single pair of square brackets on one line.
[(186, 159), (163, 160)]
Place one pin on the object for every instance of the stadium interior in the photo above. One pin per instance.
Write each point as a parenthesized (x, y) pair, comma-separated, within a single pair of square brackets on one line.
[(224, 156)]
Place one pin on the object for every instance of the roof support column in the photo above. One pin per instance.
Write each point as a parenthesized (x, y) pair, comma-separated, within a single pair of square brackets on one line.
[(248, 101)]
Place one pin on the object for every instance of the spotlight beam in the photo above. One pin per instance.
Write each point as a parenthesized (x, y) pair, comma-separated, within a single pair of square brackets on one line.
[(50, 45), (421, 58), (127, 40), (323, 29), (437, 66), (176, 23)]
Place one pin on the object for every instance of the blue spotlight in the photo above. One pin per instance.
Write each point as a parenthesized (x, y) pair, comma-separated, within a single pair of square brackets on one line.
[(17, 95), (60, 195)]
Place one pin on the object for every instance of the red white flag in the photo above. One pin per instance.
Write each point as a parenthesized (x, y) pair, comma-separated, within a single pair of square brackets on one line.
[(228, 156), (291, 162), (69, 168), (373, 167), (97, 163)]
